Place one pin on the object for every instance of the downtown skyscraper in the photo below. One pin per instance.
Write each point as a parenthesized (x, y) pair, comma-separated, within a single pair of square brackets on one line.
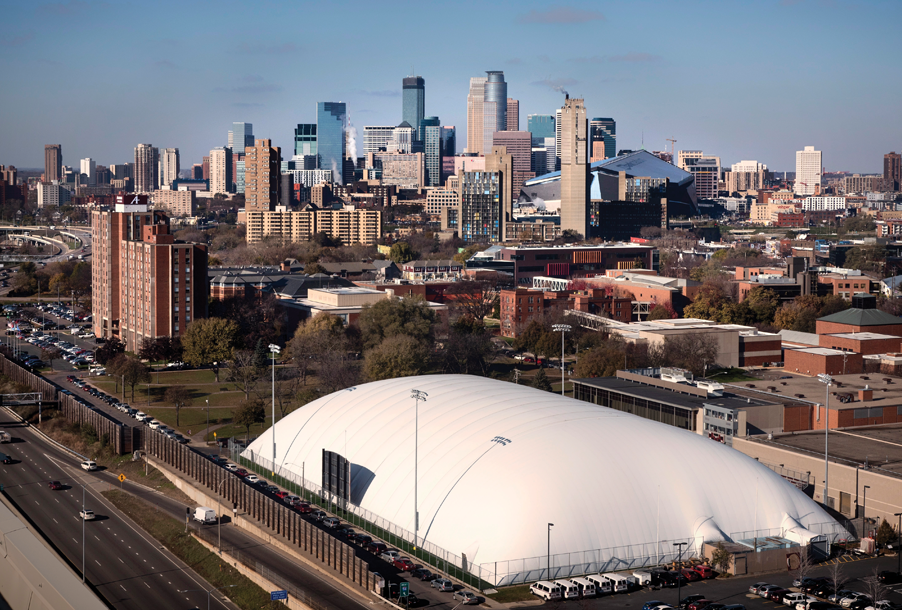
[(241, 136), (808, 171), (330, 137), (574, 128), (147, 168), (413, 103), (53, 162)]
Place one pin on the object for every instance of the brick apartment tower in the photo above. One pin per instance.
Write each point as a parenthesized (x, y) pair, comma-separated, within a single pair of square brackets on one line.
[(145, 285), (513, 115), (53, 162), (519, 147), (262, 176), (574, 167), (892, 171), (147, 168)]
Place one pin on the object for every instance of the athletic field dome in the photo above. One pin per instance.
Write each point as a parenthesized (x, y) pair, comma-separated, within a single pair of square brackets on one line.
[(498, 462)]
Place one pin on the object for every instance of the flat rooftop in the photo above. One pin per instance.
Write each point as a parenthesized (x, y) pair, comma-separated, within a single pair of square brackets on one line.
[(879, 446), (673, 398), (864, 336), (809, 389)]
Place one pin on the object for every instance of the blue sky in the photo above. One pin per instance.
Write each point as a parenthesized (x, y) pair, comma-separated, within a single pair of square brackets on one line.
[(738, 79)]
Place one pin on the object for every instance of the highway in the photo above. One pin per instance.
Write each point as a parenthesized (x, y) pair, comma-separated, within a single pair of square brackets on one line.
[(127, 568)]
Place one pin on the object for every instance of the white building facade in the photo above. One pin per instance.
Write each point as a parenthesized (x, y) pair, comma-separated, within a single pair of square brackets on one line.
[(808, 171)]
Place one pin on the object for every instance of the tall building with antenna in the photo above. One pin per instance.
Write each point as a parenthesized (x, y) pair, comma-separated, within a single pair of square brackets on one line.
[(574, 128)]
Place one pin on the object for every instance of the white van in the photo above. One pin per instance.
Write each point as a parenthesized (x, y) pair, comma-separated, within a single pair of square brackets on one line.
[(619, 582), (568, 589), (586, 587), (203, 514), (546, 590), (603, 586), (643, 577)]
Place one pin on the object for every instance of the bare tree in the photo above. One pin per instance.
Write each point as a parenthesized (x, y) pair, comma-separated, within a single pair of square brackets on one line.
[(178, 396), (874, 588), (837, 576), (243, 371), (806, 563)]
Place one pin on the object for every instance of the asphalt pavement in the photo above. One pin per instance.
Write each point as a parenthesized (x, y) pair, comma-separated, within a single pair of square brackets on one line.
[(127, 568)]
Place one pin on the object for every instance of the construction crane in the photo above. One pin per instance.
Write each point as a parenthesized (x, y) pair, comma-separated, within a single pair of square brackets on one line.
[(672, 142)]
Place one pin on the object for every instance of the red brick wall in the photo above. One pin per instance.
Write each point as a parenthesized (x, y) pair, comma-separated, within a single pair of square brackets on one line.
[(796, 418), (865, 348), (795, 361), (831, 328)]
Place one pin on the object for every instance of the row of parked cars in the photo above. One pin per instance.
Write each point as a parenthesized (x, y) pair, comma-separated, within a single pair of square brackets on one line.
[(377, 548), (618, 582), (819, 594)]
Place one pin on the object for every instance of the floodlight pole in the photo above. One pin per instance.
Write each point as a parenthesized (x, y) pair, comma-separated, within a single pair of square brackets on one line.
[(680, 571), (550, 525), (562, 328), (273, 350), (828, 381), (417, 396), (207, 400)]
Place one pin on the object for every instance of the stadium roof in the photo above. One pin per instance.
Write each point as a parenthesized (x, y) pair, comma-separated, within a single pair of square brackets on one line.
[(639, 163), (497, 462)]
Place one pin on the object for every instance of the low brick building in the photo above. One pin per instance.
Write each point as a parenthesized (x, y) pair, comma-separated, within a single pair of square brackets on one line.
[(519, 306), (821, 360), (863, 316)]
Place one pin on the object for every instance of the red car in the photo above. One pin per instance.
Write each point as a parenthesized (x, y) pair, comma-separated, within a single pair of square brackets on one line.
[(241, 472), (404, 564), (699, 604), (281, 494), (690, 574), (55, 485), (704, 571), (303, 507)]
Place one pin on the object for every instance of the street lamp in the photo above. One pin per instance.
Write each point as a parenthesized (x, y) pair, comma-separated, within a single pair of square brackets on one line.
[(207, 431), (207, 591), (273, 350), (899, 546), (550, 525), (562, 328), (417, 396), (83, 564), (864, 509), (828, 381), (680, 571)]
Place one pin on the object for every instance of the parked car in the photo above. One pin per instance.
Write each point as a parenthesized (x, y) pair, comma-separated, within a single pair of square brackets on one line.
[(442, 584), (699, 604), (230, 467), (390, 555), (403, 564), (465, 597), (241, 472), (377, 548), (889, 578), (650, 605), (684, 603), (331, 522), (704, 571), (755, 587), (422, 574), (363, 540), (847, 601), (317, 515), (766, 589), (776, 595), (690, 574)]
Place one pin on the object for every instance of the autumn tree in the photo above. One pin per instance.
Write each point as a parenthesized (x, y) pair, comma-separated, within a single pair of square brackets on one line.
[(401, 252), (178, 396), (313, 338), (109, 350), (210, 342), (249, 412), (721, 558), (691, 351), (396, 356), (394, 316), (130, 369), (661, 311), (468, 347)]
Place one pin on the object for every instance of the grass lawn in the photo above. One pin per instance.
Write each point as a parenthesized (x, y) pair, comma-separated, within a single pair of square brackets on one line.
[(193, 419), (170, 532), (223, 394), (507, 595)]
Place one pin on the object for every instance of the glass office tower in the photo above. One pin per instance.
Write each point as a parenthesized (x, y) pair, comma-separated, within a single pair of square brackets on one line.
[(413, 103), (241, 136), (305, 140), (330, 137), (604, 130), (541, 126), (433, 147)]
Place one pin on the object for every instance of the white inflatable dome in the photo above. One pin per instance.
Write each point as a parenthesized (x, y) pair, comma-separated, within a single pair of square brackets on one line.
[(498, 462)]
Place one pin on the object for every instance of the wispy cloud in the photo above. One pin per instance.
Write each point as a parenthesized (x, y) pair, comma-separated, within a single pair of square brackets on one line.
[(516, 61), (556, 84), (262, 49), (561, 14), (636, 57), (17, 41), (378, 93)]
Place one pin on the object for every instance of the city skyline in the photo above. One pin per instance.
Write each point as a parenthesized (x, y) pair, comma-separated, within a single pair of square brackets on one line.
[(177, 88)]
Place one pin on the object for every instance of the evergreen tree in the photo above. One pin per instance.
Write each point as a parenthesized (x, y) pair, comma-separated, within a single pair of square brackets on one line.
[(261, 355), (540, 381)]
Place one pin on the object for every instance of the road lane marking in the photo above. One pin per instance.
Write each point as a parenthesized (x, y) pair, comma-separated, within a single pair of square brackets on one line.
[(96, 538), (55, 521), (148, 586), (123, 588), (97, 562), (120, 560)]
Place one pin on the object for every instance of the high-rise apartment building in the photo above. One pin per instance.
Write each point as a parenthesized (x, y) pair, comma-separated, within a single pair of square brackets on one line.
[(239, 177), (147, 168), (706, 171), (53, 162), (892, 171), (413, 103), (519, 146), (434, 152), (221, 170), (52, 194), (351, 226), (241, 136), (684, 156), (602, 138), (481, 213), (403, 138), (513, 115), (809, 166), (449, 150), (145, 285), (169, 166), (305, 139), (262, 176), (330, 137), (88, 167), (475, 110), (494, 108), (574, 155), (8, 175), (745, 176), (197, 171), (377, 138)]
